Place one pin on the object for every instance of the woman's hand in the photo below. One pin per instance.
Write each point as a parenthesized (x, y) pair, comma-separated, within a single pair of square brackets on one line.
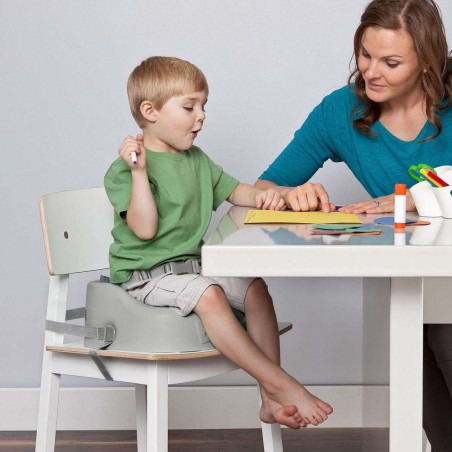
[(270, 200), (307, 197), (384, 204)]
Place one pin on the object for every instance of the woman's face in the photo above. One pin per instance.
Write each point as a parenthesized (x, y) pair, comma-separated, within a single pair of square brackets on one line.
[(389, 64)]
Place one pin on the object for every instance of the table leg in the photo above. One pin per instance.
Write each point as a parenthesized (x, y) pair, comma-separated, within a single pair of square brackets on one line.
[(406, 329)]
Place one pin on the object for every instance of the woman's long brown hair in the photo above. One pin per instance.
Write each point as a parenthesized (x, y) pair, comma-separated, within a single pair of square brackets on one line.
[(421, 19)]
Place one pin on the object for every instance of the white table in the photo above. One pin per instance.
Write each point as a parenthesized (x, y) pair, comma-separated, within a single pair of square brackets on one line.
[(235, 249)]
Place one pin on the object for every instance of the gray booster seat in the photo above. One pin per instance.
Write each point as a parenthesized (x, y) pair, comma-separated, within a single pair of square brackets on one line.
[(136, 327)]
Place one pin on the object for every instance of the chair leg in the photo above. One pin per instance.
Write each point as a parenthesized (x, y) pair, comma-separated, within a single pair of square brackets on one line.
[(48, 407), (426, 447), (271, 433), (141, 410), (157, 407)]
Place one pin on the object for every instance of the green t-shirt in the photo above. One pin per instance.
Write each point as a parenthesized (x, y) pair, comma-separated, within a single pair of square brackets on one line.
[(186, 187)]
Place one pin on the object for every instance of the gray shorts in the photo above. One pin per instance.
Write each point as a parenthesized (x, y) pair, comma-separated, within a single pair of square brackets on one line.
[(182, 292)]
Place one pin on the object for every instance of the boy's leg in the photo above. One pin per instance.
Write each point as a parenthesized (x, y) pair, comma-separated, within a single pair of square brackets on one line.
[(262, 326), (232, 340)]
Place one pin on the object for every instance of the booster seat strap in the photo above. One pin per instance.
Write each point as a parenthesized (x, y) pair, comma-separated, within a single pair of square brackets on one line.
[(100, 365), (77, 313), (106, 334)]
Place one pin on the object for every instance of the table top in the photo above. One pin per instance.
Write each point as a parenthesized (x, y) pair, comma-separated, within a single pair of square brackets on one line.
[(236, 249)]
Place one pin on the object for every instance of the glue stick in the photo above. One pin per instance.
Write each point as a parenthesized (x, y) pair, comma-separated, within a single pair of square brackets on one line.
[(400, 206)]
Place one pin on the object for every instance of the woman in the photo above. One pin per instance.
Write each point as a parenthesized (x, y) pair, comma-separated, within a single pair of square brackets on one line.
[(395, 112)]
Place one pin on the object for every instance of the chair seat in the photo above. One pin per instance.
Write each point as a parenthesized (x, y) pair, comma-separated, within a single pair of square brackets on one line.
[(79, 349)]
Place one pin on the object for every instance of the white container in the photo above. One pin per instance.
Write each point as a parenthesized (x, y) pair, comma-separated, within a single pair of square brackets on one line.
[(423, 194), (445, 175), (444, 197), (425, 200)]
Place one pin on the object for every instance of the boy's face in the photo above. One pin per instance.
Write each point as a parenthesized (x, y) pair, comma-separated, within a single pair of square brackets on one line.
[(178, 122)]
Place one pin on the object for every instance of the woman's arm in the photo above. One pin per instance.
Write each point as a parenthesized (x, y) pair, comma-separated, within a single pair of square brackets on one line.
[(303, 156), (303, 198), (383, 204)]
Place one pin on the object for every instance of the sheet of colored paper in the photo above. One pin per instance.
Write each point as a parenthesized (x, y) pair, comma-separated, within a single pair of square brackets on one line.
[(273, 216), (344, 232), (390, 220), (336, 229), (337, 226)]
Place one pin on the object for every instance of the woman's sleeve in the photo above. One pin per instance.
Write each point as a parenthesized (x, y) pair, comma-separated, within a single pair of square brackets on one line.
[(310, 148)]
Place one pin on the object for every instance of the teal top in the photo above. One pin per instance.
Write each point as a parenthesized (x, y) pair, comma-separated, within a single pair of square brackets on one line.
[(186, 186), (378, 162)]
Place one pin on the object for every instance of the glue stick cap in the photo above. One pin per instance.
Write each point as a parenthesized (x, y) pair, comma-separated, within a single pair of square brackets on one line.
[(400, 189)]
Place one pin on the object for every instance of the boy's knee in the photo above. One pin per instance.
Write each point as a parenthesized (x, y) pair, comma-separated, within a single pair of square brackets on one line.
[(259, 289), (212, 298)]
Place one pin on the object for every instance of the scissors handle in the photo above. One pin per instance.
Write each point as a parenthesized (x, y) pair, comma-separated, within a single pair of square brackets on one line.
[(415, 171)]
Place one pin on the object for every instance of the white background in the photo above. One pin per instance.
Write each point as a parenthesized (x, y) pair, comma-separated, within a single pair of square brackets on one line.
[(64, 112)]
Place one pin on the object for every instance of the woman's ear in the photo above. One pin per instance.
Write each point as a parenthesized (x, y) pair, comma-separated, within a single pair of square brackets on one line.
[(148, 111)]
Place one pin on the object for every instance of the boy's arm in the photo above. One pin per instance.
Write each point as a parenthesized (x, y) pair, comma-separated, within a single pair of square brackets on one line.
[(249, 196), (142, 215)]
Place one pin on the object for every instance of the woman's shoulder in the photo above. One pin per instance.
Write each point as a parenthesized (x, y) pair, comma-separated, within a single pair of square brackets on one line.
[(341, 97), (337, 105)]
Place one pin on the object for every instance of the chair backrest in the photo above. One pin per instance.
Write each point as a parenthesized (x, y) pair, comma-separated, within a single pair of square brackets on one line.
[(76, 226)]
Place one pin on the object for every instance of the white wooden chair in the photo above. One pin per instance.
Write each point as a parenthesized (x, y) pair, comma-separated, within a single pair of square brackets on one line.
[(76, 227), (426, 447)]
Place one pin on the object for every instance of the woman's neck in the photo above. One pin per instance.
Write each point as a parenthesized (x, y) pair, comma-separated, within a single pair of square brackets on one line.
[(405, 118), (408, 104)]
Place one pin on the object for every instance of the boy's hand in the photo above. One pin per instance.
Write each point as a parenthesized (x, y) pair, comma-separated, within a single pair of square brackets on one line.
[(270, 200), (132, 145)]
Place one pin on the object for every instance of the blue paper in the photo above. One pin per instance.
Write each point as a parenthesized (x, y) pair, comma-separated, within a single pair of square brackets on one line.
[(390, 220)]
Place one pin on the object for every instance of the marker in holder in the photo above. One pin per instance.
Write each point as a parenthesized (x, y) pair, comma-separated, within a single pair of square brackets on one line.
[(425, 199)]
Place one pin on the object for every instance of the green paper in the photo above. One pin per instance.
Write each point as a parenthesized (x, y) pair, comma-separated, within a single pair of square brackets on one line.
[(337, 227)]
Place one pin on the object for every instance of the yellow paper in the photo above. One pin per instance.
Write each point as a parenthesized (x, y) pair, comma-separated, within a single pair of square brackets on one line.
[(273, 216)]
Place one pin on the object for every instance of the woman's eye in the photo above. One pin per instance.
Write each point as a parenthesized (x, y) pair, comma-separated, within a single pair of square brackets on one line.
[(392, 65), (188, 108)]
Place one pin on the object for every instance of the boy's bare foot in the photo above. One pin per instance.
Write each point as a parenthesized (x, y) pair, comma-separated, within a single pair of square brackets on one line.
[(313, 410), (274, 413)]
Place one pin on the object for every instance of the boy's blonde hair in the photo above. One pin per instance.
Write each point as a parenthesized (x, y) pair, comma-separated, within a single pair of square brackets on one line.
[(158, 78)]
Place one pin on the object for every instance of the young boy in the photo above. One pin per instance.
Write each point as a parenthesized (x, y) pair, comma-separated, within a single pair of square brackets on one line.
[(163, 190)]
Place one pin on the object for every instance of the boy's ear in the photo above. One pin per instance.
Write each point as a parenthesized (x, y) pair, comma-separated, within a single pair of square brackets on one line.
[(148, 111)]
